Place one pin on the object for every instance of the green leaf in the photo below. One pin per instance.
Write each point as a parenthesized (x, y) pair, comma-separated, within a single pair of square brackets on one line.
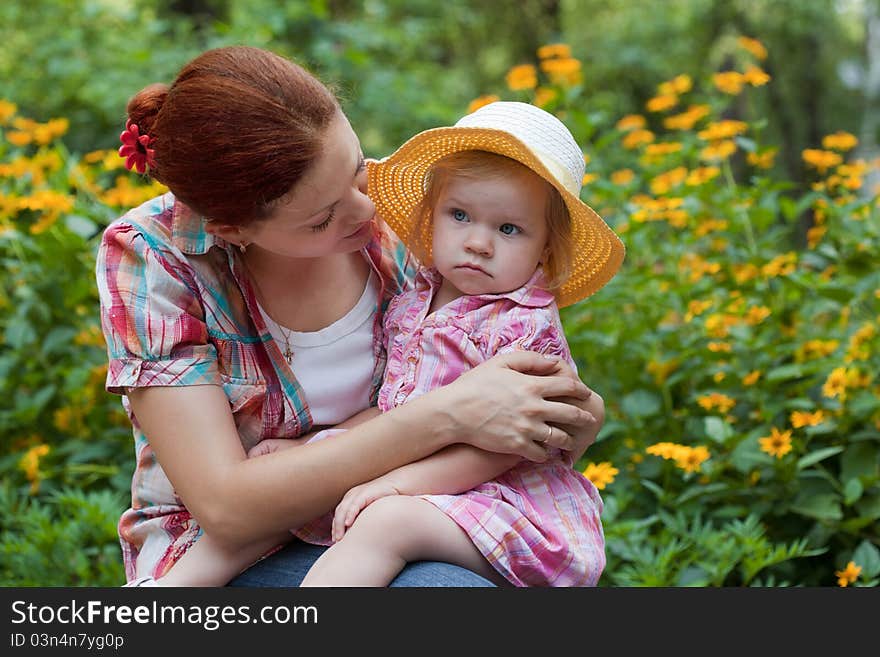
[(852, 491), (815, 457), (785, 372), (748, 455), (717, 429), (822, 507), (860, 460), (654, 488), (869, 505), (641, 403), (867, 556), (867, 434), (82, 226)]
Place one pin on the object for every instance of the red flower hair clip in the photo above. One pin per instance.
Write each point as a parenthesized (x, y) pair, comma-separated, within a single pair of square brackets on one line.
[(135, 148)]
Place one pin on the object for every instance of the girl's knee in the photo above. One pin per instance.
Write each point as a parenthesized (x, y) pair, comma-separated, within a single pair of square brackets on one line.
[(388, 511)]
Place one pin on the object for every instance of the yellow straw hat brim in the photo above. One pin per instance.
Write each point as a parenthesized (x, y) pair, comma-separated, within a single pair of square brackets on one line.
[(396, 185)]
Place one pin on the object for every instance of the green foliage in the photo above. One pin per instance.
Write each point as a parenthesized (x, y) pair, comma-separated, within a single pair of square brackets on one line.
[(67, 539), (736, 350)]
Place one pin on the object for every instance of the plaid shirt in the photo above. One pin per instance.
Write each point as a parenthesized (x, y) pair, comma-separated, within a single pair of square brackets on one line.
[(178, 309)]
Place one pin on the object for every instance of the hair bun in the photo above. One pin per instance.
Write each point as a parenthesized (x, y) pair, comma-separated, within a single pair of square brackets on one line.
[(145, 105)]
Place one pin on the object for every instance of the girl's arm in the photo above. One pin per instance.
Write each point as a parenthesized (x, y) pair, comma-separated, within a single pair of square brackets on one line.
[(500, 406), (453, 470)]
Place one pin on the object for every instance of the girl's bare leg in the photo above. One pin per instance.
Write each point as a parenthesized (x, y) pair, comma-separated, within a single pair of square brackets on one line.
[(388, 534)]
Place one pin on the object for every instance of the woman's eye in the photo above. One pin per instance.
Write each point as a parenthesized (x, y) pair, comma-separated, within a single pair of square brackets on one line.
[(509, 229), (323, 225), (459, 215)]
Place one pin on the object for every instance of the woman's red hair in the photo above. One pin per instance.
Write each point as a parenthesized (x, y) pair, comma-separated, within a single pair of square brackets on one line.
[(235, 131)]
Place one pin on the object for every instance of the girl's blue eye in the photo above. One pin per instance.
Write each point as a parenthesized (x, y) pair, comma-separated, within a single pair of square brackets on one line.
[(509, 229), (459, 215)]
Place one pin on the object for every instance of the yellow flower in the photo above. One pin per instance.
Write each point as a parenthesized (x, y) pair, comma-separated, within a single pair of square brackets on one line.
[(729, 82), (661, 103), (717, 347), (751, 378), (19, 138), (821, 160), (622, 177), (665, 450), (690, 459), (755, 47), (815, 349), (638, 137), (777, 444), (707, 226), (480, 101), (125, 194), (702, 175), (762, 160), (756, 76), (631, 122), (544, 96), (522, 77), (814, 236), (662, 369), (601, 474), (719, 150), (757, 314), (7, 111), (687, 119), (678, 85), (30, 465), (723, 130), (781, 265), (566, 71), (551, 50), (696, 308), (588, 178), (849, 574), (839, 141), (804, 419), (716, 400), (668, 180)]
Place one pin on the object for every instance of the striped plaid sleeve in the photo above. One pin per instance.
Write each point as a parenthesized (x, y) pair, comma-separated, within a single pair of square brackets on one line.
[(533, 329), (152, 318)]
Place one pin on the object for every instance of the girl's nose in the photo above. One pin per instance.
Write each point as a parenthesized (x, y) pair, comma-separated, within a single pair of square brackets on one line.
[(479, 243)]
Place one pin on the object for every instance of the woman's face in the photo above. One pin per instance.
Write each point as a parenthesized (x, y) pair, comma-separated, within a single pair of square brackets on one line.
[(328, 211)]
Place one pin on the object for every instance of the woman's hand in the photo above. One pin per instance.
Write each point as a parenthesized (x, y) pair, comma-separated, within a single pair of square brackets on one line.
[(511, 404)]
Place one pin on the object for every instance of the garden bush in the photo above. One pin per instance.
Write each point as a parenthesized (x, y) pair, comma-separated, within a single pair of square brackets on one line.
[(736, 349)]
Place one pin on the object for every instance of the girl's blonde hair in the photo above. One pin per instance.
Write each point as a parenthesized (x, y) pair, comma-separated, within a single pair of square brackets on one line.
[(479, 165)]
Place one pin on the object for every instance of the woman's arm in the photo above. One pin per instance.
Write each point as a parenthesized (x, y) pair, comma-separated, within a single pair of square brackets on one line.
[(453, 470), (501, 406)]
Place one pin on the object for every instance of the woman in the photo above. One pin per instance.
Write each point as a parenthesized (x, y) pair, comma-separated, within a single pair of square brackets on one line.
[(245, 306)]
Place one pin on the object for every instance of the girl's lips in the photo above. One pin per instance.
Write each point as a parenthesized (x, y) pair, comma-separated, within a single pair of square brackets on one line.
[(473, 268)]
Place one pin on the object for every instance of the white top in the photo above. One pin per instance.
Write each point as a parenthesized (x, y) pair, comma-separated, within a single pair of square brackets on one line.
[(335, 364)]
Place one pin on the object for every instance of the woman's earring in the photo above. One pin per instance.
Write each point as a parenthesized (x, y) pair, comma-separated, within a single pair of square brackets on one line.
[(242, 247)]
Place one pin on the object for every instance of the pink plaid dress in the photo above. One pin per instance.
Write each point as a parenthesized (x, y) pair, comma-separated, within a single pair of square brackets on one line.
[(538, 524)]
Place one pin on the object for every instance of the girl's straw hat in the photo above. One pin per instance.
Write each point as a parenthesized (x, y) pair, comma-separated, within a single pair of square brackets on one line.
[(521, 132)]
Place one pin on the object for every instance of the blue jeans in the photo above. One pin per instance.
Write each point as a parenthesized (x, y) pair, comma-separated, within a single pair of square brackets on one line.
[(289, 566)]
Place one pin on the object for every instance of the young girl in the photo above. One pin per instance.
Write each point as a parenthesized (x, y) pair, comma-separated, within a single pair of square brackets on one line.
[(491, 208)]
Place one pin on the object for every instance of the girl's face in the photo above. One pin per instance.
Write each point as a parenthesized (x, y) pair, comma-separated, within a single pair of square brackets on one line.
[(328, 211), (490, 234)]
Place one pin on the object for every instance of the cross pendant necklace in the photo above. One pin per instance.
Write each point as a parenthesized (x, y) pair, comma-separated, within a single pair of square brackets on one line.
[(288, 354)]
